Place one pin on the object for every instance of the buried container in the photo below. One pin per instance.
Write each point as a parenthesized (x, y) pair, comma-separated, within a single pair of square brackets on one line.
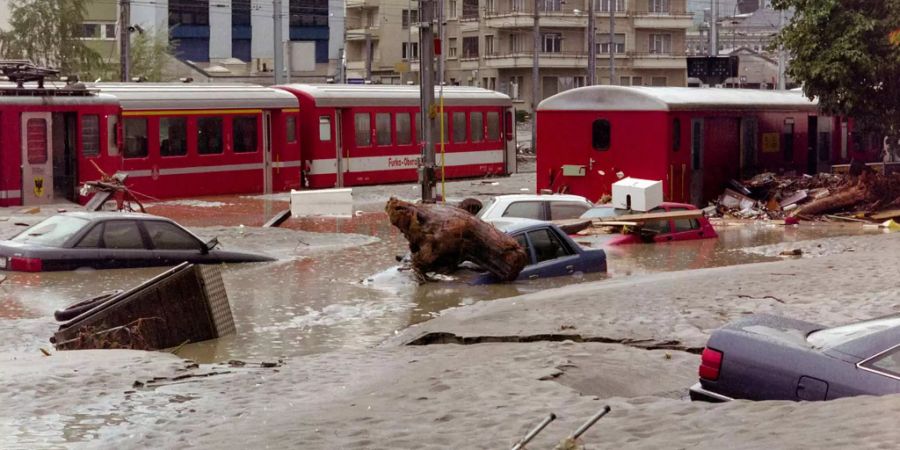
[(187, 303)]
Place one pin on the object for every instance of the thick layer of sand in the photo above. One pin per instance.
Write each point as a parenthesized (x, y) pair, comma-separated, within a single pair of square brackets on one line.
[(488, 394)]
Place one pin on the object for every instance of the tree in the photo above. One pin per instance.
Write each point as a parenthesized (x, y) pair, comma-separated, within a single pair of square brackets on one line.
[(150, 52), (847, 54), (48, 32)]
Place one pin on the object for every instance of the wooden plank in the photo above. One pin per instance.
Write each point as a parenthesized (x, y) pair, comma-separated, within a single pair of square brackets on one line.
[(885, 215), (653, 217)]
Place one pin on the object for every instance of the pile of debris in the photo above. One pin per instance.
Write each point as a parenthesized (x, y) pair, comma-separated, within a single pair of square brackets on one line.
[(824, 196)]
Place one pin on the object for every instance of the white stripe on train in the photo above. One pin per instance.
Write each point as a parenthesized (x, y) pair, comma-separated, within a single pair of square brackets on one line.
[(398, 162), (10, 194)]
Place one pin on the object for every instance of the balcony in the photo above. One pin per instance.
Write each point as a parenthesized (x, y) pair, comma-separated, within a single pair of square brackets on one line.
[(669, 20), (645, 60), (522, 17), (362, 3), (523, 59)]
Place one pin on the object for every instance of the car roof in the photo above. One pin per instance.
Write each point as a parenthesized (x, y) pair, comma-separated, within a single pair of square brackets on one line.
[(510, 225), (544, 197), (105, 215), (663, 204)]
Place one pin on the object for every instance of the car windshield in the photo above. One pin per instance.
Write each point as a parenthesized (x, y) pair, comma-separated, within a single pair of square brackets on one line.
[(831, 337), (486, 207), (601, 212), (52, 232)]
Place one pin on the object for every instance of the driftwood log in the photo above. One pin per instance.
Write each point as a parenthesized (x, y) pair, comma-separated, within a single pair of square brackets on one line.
[(865, 189), (442, 237)]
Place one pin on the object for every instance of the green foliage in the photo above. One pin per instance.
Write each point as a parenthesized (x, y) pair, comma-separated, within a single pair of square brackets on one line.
[(47, 33), (150, 52), (844, 54), (522, 116)]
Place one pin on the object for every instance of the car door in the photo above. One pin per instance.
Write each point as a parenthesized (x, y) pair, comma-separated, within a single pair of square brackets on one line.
[(86, 251), (550, 255), (124, 245), (172, 244)]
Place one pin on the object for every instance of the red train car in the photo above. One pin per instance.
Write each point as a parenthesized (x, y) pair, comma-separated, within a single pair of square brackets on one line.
[(694, 140), (369, 134)]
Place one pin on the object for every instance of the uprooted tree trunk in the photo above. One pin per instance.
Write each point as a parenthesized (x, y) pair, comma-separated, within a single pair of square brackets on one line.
[(862, 191), (442, 237)]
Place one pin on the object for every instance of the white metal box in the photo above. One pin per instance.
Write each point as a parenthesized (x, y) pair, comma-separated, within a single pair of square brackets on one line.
[(322, 202), (637, 194)]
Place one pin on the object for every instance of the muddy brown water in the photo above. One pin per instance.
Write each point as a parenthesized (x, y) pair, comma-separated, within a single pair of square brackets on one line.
[(351, 298)]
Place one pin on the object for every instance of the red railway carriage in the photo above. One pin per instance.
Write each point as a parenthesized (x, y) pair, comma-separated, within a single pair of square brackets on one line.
[(369, 134), (180, 140), (46, 136), (694, 140)]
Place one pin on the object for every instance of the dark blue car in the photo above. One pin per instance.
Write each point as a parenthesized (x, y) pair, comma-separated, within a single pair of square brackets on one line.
[(765, 357), (551, 252)]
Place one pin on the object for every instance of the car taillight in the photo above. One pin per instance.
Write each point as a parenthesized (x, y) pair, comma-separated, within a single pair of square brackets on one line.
[(25, 264), (710, 364)]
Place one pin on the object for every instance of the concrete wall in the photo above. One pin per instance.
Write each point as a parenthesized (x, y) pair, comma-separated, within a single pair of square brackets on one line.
[(151, 16), (263, 44), (220, 29)]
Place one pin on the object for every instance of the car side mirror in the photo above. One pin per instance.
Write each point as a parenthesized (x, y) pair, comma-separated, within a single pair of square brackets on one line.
[(213, 243)]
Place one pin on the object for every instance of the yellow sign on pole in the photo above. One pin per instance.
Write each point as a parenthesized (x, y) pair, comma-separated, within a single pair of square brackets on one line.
[(770, 143)]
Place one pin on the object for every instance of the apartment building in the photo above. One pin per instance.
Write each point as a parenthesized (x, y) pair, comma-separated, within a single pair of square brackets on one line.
[(489, 43)]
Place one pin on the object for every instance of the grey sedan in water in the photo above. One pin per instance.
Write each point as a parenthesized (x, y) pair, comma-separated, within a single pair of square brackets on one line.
[(765, 357), (106, 240)]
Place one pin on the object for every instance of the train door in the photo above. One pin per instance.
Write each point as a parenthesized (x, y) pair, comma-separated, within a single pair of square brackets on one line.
[(722, 155), (37, 159), (65, 157), (824, 143), (697, 161), (509, 142), (267, 152), (339, 142), (812, 139), (749, 136)]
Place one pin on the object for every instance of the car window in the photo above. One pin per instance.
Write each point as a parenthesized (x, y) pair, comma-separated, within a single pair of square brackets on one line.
[(567, 210), (486, 207), (685, 224), (167, 236), (831, 337), (122, 234), (546, 245), (92, 238), (526, 210), (53, 231), (888, 363), (659, 226), (524, 243)]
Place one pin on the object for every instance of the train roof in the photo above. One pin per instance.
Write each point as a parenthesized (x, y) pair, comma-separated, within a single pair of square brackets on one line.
[(169, 96), (623, 98), (393, 95), (52, 94)]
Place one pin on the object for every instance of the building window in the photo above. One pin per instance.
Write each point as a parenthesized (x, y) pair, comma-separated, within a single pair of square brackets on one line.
[(604, 5), (470, 9), (617, 47), (515, 86), (209, 136), (135, 138), (383, 128), (661, 43), (90, 135), (173, 136), (452, 9), (451, 50), (188, 12), (405, 50), (551, 42), (658, 81), (600, 134), (550, 5), (659, 6), (308, 13), (90, 31), (476, 120), (363, 129), (240, 13), (409, 17), (624, 81), (404, 131), (637, 81), (290, 132), (489, 45), (470, 47), (787, 136), (324, 128), (489, 7), (245, 134)]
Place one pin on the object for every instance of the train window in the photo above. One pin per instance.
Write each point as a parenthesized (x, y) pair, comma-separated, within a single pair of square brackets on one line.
[(245, 134), (324, 128), (383, 128), (135, 138), (112, 123), (363, 129), (600, 134), (404, 133), (459, 127), (173, 136), (290, 125), (787, 136), (36, 130), (209, 135), (90, 135), (493, 126), (676, 135), (477, 122), (420, 133)]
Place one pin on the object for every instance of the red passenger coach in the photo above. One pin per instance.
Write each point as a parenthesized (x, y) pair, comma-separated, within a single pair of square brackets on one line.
[(694, 140), (369, 134), (182, 140)]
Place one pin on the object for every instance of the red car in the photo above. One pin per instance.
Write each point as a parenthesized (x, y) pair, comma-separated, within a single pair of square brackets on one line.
[(662, 231)]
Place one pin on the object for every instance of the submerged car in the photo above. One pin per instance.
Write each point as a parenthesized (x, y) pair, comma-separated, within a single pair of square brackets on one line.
[(107, 240), (765, 357), (551, 252), (661, 231), (537, 207)]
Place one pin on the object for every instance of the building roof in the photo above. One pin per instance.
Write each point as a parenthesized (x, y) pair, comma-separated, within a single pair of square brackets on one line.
[(623, 98), (168, 96), (393, 95)]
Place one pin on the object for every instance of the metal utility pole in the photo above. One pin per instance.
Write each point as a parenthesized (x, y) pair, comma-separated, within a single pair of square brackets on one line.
[(124, 39), (279, 44), (369, 55), (426, 97), (781, 63), (535, 75), (612, 41), (409, 25), (714, 29), (592, 45)]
